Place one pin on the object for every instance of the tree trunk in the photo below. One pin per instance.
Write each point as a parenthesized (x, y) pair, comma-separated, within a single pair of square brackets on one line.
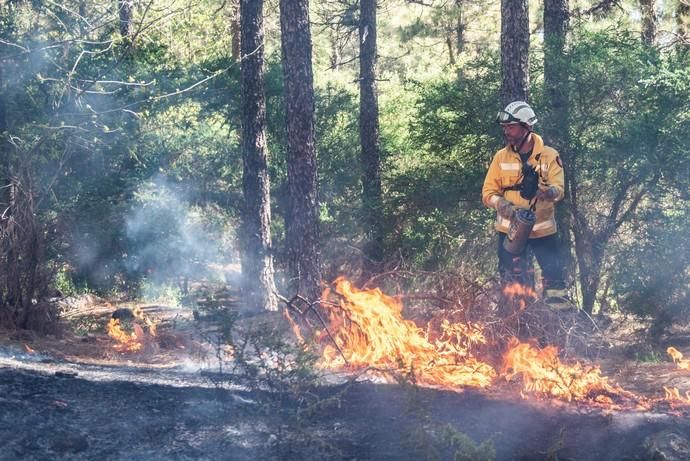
[(514, 51), (369, 133), (649, 21), (4, 148), (7, 293), (257, 258), (683, 23), (590, 256), (82, 19), (235, 26), (460, 27), (557, 114), (126, 11), (302, 226), (451, 50)]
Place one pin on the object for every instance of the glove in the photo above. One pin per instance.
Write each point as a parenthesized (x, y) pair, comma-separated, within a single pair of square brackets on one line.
[(548, 194), (505, 208)]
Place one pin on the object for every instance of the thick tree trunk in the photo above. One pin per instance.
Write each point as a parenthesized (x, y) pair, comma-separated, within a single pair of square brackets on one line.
[(556, 123), (514, 51), (649, 21), (556, 120), (7, 287), (257, 258), (126, 12), (4, 148), (369, 133), (302, 226)]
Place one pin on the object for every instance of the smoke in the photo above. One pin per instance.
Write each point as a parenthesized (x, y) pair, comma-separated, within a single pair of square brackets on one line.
[(170, 241)]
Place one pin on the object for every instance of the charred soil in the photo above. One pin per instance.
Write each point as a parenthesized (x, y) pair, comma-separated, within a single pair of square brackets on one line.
[(75, 397)]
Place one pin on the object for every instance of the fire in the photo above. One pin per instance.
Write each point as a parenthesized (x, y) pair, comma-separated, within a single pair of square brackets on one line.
[(544, 374), (673, 396), (369, 331), (519, 292), (365, 330), (131, 342), (677, 357), (128, 342)]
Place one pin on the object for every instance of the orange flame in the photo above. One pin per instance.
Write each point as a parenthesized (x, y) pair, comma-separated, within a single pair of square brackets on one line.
[(139, 314), (677, 357), (673, 396), (366, 330), (517, 289), (544, 374), (127, 342), (369, 331), (520, 293)]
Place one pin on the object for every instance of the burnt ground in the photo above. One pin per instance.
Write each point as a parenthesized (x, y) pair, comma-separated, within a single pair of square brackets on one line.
[(73, 398)]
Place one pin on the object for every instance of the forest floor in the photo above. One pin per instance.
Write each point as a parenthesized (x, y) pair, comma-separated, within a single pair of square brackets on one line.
[(75, 396)]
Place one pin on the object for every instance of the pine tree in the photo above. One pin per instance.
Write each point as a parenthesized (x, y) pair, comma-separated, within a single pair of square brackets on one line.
[(257, 260), (302, 226)]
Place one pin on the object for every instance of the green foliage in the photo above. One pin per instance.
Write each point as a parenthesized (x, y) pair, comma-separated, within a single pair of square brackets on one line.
[(465, 449), (105, 131), (433, 187), (64, 284), (168, 294), (630, 121)]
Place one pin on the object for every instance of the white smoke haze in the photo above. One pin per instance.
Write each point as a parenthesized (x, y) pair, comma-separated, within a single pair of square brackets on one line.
[(172, 242)]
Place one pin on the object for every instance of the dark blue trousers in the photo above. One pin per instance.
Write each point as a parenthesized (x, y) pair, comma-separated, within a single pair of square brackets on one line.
[(545, 249)]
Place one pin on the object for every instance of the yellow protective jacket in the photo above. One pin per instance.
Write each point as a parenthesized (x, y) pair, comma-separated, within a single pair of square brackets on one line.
[(506, 171)]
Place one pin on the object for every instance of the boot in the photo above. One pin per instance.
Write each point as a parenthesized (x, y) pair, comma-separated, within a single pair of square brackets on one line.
[(557, 299)]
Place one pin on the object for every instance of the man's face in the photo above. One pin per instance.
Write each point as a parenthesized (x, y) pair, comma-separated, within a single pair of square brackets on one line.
[(513, 132)]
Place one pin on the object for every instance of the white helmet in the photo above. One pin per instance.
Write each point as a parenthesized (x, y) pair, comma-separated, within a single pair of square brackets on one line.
[(517, 112)]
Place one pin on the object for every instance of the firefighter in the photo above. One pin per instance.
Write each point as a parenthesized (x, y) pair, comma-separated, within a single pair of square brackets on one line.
[(526, 174)]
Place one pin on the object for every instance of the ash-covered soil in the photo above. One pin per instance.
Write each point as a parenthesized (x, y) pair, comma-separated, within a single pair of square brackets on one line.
[(47, 416), (74, 398)]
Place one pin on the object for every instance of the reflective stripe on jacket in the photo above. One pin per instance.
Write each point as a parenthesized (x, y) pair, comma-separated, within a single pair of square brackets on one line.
[(506, 171)]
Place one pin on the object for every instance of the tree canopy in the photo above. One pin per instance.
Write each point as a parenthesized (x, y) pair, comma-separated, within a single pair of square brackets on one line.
[(121, 150)]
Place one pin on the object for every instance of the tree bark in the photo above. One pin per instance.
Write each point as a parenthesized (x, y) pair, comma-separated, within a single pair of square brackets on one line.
[(556, 120), (369, 133), (557, 113), (4, 148), (257, 258), (82, 18), (7, 286), (514, 51), (235, 29), (683, 23), (460, 27), (649, 21), (126, 12), (302, 226)]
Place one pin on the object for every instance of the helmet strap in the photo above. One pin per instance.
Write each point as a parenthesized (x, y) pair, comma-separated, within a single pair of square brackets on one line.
[(524, 138)]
